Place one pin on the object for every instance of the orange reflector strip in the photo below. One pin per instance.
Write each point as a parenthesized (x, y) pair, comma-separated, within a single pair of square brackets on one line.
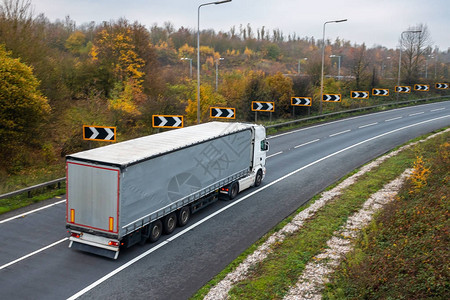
[(111, 223), (72, 215)]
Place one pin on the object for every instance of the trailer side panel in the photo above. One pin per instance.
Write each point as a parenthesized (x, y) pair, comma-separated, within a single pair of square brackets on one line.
[(159, 185)]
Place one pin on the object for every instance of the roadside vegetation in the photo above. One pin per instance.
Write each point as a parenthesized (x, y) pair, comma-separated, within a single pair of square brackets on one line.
[(120, 73), (403, 252)]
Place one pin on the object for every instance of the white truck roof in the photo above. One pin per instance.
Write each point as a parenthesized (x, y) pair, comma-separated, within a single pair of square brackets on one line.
[(135, 150)]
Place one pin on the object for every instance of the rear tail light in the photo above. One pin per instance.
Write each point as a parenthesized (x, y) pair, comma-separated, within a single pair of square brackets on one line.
[(224, 189), (74, 234), (113, 243)]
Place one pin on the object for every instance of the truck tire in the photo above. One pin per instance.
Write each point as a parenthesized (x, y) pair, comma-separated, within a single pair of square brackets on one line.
[(183, 216), (169, 223), (234, 190), (258, 179), (155, 231)]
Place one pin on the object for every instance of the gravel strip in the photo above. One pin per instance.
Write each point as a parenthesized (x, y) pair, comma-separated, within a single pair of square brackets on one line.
[(220, 291), (313, 278)]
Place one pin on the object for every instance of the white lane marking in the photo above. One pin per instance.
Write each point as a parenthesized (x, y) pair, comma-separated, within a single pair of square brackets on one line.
[(307, 143), (32, 253), (31, 211), (388, 120), (438, 109), (419, 113), (338, 133), (126, 265), (371, 124), (119, 269), (272, 155), (270, 137), (343, 120)]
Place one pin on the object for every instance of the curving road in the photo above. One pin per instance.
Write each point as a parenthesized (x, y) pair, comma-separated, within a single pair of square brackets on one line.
[(35, 262)]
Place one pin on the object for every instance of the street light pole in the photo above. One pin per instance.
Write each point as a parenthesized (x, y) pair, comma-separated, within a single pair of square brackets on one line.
[(339, 65), (190, 64), (323, 59), (198, 53), (298, 71), (217, 72)]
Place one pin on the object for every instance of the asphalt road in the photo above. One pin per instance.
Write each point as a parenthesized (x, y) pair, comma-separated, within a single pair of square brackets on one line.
[(35, 262)]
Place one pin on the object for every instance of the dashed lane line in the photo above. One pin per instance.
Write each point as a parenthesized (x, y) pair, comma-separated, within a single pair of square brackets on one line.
[(307, 143), (338, 133), (371, 124), (389, 120), (272, 155)]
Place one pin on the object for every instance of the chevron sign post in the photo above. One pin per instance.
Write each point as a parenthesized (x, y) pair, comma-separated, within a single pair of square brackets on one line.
[(422, 87), (359, 94), (441, 86), (99, 133), (331, 97), (222, 112), (263, 106), (167, 121), (402, 89), (301, 101), (380, 92)]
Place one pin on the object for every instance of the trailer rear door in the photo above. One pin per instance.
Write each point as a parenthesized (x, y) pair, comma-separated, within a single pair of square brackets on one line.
[(93, 196)]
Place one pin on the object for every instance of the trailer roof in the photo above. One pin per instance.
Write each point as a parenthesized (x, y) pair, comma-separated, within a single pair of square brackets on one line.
[(135, 150)]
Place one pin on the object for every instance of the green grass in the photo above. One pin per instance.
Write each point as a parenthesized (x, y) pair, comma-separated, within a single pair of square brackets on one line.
[(404, 253), (22, 200), (272, 278)]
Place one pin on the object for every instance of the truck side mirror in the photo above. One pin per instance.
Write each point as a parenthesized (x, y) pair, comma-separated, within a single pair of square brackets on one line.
[(264, 145)]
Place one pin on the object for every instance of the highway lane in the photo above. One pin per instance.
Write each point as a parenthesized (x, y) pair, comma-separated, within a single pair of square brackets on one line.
[(183, 263)]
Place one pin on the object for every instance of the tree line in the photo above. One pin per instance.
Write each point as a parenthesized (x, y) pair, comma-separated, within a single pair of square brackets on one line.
[(120, 73)]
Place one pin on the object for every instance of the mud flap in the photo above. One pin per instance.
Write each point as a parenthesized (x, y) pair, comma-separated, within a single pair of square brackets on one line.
[(94, 250)]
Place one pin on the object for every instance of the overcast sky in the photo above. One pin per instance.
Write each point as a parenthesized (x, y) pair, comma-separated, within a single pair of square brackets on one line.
[(374, 22)]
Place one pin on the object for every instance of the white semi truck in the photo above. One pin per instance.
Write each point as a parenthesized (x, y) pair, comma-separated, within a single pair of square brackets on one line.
[(130, 192)]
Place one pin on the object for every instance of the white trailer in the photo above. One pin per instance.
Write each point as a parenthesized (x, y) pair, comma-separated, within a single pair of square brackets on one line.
[(130, 192)]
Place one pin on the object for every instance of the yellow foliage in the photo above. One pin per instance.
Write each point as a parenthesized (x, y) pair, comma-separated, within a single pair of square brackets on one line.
[(205, 50), (208, 98), (118, 50), (94, 53), (210, 61), (232, 52), (185, 50), (248, 52), (420, 174), (128, 99)]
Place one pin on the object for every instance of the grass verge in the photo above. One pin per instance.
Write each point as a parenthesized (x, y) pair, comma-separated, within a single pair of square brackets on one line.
[(22, 200), (404, 253), (272, 278)]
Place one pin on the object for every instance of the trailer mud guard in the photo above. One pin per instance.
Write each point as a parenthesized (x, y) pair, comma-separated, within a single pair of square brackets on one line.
[(94, 250)]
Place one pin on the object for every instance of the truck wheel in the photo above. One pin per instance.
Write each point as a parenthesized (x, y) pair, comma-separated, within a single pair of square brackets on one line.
[(170, 223), (155, 231), (184, 214), (258, 178), (234, 190)]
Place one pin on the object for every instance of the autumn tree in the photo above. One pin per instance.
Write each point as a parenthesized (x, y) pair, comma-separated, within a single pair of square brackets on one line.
[(115, 52), (208, 98), (280, 91), (22, 109), (359, 66), (415, 43)]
